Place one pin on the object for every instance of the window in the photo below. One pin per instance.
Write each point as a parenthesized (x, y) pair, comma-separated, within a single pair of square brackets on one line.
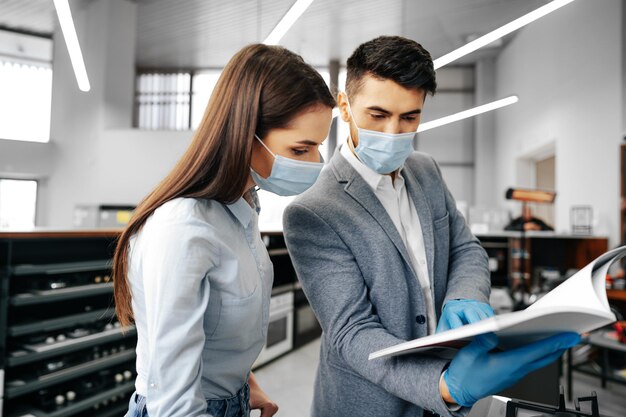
[(18, 202), (25, 87), (162, 101), (203, 85)]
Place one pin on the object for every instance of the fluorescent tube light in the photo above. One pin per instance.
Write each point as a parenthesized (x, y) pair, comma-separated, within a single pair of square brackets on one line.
[(287, 21), (500, 32), (467, 113), (71, 41)]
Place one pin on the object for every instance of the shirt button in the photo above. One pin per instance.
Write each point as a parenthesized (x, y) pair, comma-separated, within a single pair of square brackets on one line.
[(420, 319)]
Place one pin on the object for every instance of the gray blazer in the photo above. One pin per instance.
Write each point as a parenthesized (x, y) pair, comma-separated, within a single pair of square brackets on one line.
[(355, 271)]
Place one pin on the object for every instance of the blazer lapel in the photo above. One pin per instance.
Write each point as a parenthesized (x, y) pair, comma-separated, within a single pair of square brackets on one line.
[(416, 193), (362, 193)]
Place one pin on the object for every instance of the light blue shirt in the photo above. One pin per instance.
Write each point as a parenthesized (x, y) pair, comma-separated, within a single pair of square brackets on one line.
[(201, 281)]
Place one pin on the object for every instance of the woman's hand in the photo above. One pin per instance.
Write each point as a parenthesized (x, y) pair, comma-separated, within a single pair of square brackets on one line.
[(259, 399)]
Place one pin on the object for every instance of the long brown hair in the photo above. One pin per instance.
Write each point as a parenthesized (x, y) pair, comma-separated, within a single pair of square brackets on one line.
[(261, 88)]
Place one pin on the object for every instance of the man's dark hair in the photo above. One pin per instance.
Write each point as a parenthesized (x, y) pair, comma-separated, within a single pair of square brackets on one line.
[(392, 58)]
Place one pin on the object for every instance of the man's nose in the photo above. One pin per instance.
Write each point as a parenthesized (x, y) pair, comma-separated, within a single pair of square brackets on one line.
[(392, 126)]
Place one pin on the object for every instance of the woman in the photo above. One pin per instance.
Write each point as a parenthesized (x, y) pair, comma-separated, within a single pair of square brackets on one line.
[(190, 269)]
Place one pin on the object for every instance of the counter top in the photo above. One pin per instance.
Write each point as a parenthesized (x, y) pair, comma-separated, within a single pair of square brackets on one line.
[(38, 233), (43, 232), (538, 234)]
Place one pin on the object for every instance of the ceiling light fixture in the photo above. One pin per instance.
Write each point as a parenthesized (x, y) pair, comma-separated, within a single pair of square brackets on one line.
[(287, 21), (467, 113), (71, 41)]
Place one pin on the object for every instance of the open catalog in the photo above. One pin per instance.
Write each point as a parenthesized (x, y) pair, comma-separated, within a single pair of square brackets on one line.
[(577, 305)]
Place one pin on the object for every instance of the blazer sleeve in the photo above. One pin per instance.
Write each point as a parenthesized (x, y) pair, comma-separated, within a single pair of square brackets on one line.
[(334, 285), (468, 264)]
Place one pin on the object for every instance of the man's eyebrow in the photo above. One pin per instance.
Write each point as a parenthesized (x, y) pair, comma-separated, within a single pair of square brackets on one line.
[(416, 111), (387, 112), (380, 109)]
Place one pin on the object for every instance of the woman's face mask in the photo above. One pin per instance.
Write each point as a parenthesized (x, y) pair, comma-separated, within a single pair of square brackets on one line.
[(288, 176)]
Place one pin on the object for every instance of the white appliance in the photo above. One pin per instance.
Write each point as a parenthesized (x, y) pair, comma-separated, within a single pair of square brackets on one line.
[(280, 330)]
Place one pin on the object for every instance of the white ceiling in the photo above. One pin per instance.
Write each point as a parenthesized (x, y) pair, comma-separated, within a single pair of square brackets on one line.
[(205, 33)]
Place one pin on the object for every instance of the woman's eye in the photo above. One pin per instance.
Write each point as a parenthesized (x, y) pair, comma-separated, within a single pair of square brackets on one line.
[(299, 152)]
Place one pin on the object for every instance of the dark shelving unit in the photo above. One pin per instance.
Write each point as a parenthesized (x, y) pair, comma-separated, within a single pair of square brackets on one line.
[(62, 354), (58, 328)]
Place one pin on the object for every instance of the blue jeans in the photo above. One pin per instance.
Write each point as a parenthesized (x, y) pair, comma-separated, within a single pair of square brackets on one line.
[(236, 406)]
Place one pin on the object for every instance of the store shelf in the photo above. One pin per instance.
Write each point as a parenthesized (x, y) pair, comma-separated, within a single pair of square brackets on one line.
[(69, 373), (48, 296), (62, 268), (83, 405), (59, 323), (72, 345), (55, 284)]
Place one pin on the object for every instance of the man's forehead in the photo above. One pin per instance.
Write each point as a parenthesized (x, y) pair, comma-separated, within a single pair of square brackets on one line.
[(388, 94)]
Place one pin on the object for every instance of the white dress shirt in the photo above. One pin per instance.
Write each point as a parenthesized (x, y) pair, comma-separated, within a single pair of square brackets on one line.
[(395, 199), (201, 281)]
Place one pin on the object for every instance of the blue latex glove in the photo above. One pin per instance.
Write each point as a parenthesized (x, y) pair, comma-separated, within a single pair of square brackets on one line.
[(475, 373), (457, 313)]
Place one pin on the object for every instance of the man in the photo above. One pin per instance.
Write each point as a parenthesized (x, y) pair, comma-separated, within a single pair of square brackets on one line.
[(380, 249)]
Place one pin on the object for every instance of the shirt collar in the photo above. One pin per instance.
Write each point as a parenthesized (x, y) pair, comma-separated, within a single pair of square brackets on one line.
[(371, 177), (242, 210)]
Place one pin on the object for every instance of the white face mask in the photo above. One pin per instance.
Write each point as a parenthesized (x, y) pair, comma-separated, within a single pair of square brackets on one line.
[(288, 176), (383, 152)]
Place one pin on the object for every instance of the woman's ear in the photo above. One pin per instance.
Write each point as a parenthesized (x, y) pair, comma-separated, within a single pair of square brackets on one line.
[(342, 104)]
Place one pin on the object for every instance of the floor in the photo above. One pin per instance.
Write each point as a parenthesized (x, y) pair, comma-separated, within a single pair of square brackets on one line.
[(289, 382), (612, 400)]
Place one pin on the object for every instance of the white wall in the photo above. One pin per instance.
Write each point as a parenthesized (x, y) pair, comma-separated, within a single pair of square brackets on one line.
[(567, 70), (131, 162), (452, 145)]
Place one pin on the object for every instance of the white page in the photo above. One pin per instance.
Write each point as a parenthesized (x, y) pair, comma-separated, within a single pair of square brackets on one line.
[(578, 305), (513, 329)]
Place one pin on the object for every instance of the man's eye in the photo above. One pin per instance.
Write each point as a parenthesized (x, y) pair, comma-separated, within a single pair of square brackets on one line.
[(410, 118), (377, 116)]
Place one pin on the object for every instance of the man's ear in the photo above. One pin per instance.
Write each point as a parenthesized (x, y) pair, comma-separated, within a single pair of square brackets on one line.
[(342, 104)]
